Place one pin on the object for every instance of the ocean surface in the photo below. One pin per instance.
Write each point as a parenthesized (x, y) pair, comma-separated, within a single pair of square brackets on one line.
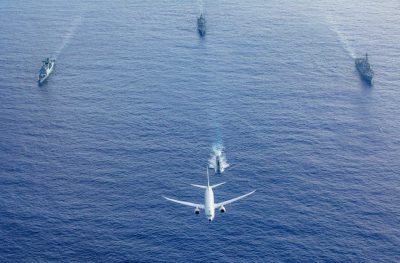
[(138, 101)]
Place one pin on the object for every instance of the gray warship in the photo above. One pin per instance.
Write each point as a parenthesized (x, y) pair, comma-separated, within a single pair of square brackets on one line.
[(364, 68), (201, 25), (46, 69)]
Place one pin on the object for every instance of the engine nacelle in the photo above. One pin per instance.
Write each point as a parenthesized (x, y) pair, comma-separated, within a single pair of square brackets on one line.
[(222, 209), (197, 211)]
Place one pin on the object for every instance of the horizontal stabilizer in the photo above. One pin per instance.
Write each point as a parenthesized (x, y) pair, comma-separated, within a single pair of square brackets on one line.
[(205, 187), (199, 186), (216, 185)]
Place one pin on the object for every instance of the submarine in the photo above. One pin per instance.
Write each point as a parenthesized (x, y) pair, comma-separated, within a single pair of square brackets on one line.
[(218, 164)]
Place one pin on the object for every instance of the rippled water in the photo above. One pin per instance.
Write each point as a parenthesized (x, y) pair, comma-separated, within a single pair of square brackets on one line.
[(138, 99)]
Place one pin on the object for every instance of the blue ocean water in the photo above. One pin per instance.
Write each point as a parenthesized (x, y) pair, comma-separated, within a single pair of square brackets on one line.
[(138, 100)]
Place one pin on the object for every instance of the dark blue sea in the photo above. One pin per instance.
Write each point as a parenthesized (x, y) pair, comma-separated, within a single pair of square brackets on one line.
[(138, 101)]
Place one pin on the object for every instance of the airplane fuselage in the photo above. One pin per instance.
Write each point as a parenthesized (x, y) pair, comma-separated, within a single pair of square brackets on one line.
[(209, 205)]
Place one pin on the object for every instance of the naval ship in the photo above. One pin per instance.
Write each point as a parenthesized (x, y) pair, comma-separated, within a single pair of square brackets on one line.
[(46, 70), (201, 25), (364, 68)]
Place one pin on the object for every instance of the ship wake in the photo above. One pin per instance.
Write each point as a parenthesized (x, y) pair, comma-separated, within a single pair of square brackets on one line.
[(344, 41), (69, 35), (201, 6)]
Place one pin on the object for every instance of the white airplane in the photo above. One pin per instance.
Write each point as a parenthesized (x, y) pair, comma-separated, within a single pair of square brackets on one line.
[(209, 205)]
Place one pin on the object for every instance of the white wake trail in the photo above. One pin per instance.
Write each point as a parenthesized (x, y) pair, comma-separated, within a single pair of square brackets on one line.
[(69, 35), (201, 6), (334, 26)]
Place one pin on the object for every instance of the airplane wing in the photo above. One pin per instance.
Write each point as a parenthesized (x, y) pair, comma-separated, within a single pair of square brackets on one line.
[(185, 203), (233, 199)]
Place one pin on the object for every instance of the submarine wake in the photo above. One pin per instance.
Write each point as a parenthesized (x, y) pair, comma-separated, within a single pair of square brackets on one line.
[(69, 35), (218, 160)]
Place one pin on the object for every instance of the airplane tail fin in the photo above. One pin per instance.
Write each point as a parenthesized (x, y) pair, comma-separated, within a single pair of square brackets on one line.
[(208, 178), (208, 183)]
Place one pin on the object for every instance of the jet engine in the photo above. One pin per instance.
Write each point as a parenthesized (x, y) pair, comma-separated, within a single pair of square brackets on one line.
[(197, 211), (222, 209)]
